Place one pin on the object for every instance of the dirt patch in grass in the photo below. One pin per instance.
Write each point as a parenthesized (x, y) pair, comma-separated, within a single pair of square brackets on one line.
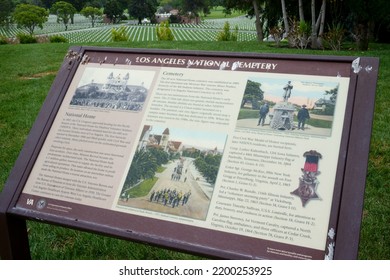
[(38, 75)]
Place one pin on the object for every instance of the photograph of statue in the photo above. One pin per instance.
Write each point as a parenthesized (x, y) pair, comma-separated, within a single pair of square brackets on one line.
[(287, 91), (299, 105)]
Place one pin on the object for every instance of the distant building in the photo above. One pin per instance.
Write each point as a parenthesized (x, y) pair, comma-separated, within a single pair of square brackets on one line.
[(116, 83), (148, 140), (213, 152), (144, 138)]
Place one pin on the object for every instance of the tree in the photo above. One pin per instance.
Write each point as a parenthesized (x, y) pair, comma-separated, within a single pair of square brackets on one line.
[(253, 93), (285, 16), (64, 11), (163, 32), (253, 8), (161, 156), (226, 34), (297, 29), (143, 166), (317, 25), (208, 166), (142, 9), (30, 16), (91, 12), (363, 19), (48, 3), (194, 7), (113, 10), (95, 3), (333, 93), (5, 12)]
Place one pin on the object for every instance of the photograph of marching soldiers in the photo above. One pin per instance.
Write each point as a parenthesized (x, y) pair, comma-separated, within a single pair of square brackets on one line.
[(298, 106), (112, 89), (174, 171)]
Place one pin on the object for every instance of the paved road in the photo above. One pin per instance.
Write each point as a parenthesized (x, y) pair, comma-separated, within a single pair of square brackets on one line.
[(198, 202)]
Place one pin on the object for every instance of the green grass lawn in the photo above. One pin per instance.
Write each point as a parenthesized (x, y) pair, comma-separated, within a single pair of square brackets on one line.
[(217, 13), (26, 74)]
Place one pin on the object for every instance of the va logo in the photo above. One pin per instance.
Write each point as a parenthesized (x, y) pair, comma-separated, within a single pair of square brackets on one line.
[(41, 204)]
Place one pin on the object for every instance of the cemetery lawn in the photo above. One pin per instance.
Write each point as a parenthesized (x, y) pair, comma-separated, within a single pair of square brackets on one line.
[(217, 13), (26, 75)]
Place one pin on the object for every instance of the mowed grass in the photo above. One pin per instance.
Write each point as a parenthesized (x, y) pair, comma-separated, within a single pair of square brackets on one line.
[(26, 74), (218, 13), (81, 30)]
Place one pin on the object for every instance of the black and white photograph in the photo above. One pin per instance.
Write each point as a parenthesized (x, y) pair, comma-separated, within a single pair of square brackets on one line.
[(113, 89)]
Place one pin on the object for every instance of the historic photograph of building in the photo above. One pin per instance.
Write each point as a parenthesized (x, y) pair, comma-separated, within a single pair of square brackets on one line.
[(111, 89)]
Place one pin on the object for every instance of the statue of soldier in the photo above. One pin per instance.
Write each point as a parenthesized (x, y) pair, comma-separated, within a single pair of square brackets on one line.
[(287, 91)]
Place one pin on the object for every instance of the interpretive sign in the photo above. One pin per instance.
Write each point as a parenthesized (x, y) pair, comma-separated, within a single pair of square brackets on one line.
[(230, 155)]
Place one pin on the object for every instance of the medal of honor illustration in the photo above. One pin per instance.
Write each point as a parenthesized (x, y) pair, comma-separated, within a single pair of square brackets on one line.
[(308, 181)]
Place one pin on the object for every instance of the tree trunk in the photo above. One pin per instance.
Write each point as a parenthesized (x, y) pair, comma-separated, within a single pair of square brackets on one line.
[(322, 23), (314, 42), (301, 14), (258, 22), (285, 18), (362, 35)]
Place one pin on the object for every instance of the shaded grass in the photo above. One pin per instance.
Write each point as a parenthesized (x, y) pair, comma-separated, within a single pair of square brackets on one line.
[(26, 74), (218, 13)]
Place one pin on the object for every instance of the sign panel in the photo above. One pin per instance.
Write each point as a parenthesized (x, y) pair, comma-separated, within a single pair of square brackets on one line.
[(234, 156)]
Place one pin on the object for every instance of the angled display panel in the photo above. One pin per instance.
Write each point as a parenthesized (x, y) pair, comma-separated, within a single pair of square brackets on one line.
[(246, 156)]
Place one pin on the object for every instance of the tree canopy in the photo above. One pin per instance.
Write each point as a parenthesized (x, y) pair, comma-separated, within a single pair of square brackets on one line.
[(91, 12), (7, 7), (30, 16), (143, 166), (142, 9), (253, 8), (253, 94), (195, 6), (308, 22), (64, 11), (114, 10)]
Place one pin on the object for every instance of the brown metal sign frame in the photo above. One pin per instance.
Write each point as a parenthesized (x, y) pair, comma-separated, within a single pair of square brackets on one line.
[(347, 203)]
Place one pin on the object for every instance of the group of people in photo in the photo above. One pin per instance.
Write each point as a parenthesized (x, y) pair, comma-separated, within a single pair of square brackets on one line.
[(116, 105), (177, 173), (168, 197)]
